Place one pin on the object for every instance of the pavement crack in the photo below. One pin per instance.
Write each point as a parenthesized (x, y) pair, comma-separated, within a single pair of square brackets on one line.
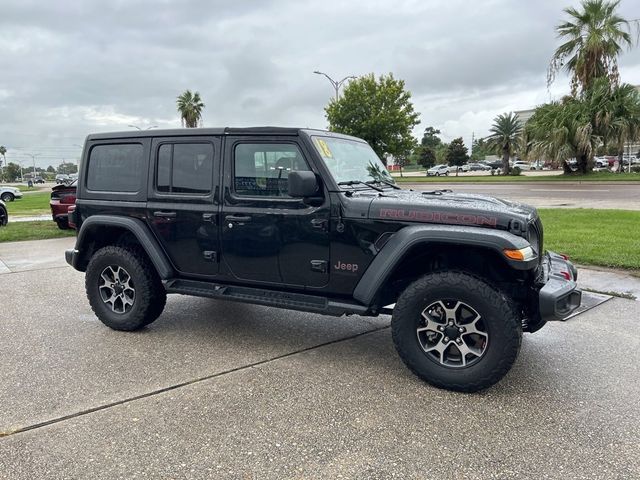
[(106, 406)]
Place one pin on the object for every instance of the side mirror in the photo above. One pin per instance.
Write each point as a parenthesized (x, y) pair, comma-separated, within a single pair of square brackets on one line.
[(303, 184)]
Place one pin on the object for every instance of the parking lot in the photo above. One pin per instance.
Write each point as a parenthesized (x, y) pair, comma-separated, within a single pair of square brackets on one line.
[(226, 390)]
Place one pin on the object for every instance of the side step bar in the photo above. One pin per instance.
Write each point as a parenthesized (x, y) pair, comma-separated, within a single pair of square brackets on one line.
[(272, 298)]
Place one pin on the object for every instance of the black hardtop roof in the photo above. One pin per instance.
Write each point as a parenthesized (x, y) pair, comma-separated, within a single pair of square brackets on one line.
[(193, 132)]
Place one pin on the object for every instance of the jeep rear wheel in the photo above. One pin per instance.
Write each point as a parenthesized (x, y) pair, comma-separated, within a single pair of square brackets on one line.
[(456, 331), (7, 197), (123, 289)]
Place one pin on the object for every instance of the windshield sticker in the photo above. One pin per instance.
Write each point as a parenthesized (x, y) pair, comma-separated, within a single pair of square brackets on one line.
[(325, 151)]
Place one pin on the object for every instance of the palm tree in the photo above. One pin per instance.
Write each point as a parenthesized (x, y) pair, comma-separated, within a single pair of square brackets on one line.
[(505, 135), (3, 152), (562, 131), (616, 113), (595, 35), (190, 108)]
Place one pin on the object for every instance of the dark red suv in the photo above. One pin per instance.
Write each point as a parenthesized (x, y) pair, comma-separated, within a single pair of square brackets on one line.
[(63, 196)]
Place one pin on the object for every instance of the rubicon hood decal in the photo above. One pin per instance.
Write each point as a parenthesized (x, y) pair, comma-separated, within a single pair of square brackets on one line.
[(453, 218)]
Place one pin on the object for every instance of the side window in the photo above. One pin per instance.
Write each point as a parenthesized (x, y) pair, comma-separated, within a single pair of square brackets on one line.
[(115, 167), (184, 168), (262, 169)]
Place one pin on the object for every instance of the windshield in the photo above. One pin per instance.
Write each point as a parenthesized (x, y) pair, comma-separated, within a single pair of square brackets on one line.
[(351, 161)]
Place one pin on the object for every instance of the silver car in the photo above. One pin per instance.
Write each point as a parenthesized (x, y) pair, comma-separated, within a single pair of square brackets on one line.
[(9, 194)]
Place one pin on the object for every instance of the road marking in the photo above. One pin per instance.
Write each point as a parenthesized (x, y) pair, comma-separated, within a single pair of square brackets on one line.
[(565, 190)]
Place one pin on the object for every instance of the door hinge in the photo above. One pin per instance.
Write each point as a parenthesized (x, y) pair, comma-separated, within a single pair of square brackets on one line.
[(210, 255), (319, 266)]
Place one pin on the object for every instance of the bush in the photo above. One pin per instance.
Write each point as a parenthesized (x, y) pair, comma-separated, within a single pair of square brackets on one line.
[(635, 168), (515, 171)]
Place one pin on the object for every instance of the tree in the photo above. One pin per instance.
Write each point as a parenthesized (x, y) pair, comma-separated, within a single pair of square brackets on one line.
[(505, 134), (457, 153), (3, 152), (430, 138), (562, 131), (190, 109), (377, 110), (615, 114), (67, 167), (427, 157), (51, 169), (595, 35), (480, 149), (12, 172)]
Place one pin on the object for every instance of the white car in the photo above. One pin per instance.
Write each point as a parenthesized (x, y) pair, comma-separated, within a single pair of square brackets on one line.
[(438, 170), (521, 165), (461, 168), (9, 194)]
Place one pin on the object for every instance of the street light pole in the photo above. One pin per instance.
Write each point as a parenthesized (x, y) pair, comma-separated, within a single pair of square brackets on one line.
[(336, 85)]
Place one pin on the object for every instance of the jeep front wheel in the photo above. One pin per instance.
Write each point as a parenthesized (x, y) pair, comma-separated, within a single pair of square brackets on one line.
[(456, 331), (123, 289)]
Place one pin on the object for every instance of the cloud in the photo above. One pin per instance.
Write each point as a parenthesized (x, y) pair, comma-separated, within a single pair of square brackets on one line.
[(71, 68)]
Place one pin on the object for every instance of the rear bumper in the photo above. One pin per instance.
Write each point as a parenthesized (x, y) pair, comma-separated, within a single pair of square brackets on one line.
[(560, 295)]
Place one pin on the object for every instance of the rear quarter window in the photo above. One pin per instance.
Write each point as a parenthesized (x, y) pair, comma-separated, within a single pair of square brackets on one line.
[(115, 167)]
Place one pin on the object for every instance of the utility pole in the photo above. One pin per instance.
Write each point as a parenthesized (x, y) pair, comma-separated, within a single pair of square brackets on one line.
[(33, 157), (336, 85)]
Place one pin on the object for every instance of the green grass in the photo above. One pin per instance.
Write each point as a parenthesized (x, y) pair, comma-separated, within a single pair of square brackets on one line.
[(30, 204), (608, 238), (18, 231), (590, 177)]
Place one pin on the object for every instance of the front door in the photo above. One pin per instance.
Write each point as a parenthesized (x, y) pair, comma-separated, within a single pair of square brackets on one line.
[(183, 207), (268, 236)]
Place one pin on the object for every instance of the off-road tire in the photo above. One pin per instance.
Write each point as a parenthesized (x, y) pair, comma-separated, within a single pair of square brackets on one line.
[(7, 197), (150, 295), (500, 317)]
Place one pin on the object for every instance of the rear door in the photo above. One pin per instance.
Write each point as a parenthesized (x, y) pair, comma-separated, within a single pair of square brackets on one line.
[(182, 207)]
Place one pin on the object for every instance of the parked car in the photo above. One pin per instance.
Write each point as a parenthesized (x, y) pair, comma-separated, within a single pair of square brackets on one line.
[(62, 198), (9, 194), (61, 178), (312, 221), (438, 170), (461, 168), (4, 215), (496, 164), (522, 165), (38, 180), (476, 167)]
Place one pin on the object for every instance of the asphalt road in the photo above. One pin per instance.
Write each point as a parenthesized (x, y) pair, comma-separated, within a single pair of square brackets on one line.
[(225, 390), (552, 194)]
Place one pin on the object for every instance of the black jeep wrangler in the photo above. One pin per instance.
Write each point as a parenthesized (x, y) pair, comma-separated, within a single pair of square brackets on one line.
[(311, 220)]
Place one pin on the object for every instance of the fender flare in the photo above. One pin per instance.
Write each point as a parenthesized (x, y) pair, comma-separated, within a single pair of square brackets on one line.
[(134, 225), (405, 239)]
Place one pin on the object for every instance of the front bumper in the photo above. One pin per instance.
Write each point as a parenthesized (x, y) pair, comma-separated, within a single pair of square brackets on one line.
[(560, 295), (17, 194)]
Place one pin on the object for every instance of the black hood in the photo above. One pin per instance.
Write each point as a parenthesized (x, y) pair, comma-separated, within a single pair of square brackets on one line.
[(447, 207)]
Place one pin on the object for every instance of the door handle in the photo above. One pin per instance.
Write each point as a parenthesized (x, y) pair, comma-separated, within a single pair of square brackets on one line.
[(237, 218), (164, 214), (319, 223)]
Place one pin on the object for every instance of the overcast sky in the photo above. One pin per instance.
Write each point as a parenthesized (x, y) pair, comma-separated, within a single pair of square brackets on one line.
[(69, 68)]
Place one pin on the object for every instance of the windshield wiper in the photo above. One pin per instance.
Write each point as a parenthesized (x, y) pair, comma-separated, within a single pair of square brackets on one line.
[(386, 182), (360, 182)]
